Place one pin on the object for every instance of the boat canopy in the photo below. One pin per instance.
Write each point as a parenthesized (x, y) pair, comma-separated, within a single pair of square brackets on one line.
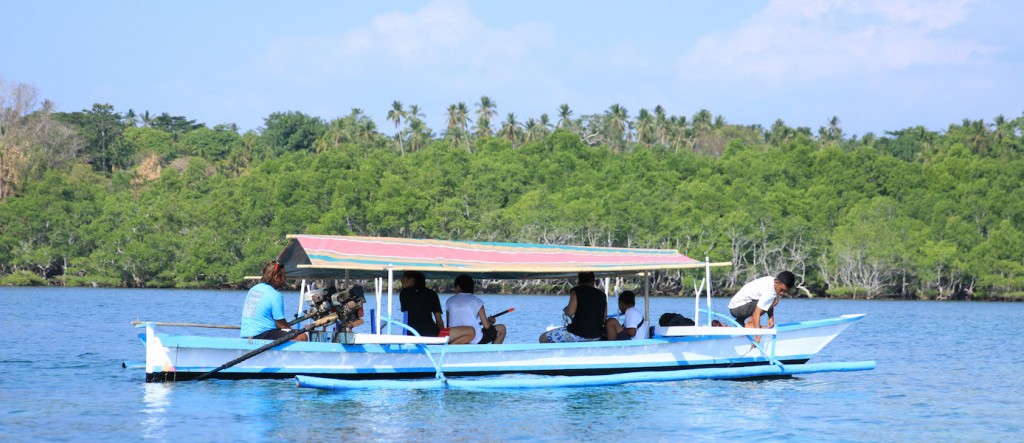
[(335, 257)]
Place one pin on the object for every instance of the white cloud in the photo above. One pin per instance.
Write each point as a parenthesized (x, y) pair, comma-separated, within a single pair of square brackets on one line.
[(811, 40), (440, 34)]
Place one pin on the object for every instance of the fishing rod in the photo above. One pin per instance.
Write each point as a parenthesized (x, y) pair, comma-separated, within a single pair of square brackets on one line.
[(501, 313)]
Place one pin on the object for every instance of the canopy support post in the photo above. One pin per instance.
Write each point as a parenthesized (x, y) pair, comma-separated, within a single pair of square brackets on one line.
[(607, 292), (647, 297), (707, 278), (378, 284), (696, 300), (391, 284)]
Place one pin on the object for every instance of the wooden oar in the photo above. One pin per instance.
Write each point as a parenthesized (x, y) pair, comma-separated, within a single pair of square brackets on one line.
[(188, 325), (294, 333)]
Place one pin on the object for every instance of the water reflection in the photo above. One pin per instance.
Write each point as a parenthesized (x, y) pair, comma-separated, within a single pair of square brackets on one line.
[(155, 399)]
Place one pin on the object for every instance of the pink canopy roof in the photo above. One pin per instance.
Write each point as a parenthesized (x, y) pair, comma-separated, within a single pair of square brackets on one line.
[(321, 256)]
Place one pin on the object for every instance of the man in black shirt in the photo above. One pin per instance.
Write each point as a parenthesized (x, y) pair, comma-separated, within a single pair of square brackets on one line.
[(588, 307)]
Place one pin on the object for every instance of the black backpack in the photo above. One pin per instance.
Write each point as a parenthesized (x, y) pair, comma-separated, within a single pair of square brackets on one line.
[(673, 319)]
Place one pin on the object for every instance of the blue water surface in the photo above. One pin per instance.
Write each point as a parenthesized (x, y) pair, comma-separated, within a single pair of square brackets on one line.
[(946, 371)]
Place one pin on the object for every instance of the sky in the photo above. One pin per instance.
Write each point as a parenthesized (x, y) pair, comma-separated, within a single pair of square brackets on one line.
[(877, 65)]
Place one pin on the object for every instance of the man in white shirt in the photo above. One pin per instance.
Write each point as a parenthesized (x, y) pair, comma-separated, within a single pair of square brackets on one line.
[(468, 322), (759, 297), (633, 326)]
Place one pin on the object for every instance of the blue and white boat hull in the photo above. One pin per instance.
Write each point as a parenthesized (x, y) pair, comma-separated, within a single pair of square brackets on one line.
[(171, 357)]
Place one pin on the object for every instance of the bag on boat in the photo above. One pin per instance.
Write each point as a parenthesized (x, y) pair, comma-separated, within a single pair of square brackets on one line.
[(673, 319)]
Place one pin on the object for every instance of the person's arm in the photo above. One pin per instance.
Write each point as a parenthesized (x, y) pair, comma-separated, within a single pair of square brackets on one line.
[(277, 312), (757, 322), (436, 308), (486, 322), (570, 309), (630, 319), (771, 317)]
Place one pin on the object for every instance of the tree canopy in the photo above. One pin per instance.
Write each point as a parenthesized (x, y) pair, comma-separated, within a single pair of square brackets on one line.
[(99, 197)]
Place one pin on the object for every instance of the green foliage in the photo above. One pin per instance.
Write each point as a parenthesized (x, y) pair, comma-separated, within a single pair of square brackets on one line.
[(150, 141), (292, 132), (22, 278), (915, 213)]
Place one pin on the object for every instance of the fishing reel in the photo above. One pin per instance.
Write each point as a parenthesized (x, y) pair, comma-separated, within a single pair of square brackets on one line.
[(346, 303)]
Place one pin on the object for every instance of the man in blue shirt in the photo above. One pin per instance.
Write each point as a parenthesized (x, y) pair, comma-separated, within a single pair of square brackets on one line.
[(263, 311)]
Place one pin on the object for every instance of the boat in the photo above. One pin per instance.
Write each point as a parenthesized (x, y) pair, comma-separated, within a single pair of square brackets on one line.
[(388, 356)]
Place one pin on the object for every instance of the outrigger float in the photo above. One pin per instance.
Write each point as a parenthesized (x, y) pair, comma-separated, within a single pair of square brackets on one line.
[(388, 358)]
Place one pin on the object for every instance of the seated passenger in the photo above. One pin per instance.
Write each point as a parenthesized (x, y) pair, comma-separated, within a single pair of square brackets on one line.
[(633, 326), (588, 308), (263, 310), (421, 303), (467, 320)]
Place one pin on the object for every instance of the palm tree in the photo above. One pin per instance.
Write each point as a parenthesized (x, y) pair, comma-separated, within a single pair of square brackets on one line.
[(395, 115), (482, 127), (531, 128), (780, 133), (457, 122), (835, 129), (978, 136), (415, 114), (618, 120), (462, 120), (564, 116), (661, 125), (510, 130), (419, 133), (702, 120), (545, 125), (681, 132), (453, 117), (645, 127), (48, 107), (463, 115), (366, 129), (486, 109)]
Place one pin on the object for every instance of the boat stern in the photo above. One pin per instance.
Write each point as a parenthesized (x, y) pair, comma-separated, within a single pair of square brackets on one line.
[(158, 360)]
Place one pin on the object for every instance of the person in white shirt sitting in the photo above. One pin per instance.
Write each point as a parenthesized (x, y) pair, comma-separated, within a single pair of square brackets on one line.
[(467, 319), (633, 325)]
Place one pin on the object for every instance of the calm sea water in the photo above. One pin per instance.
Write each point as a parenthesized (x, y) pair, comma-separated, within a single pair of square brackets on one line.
[(946, 371)]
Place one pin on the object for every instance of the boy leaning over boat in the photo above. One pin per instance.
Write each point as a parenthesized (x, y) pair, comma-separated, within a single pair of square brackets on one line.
[(263, 311), (759, 297)]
